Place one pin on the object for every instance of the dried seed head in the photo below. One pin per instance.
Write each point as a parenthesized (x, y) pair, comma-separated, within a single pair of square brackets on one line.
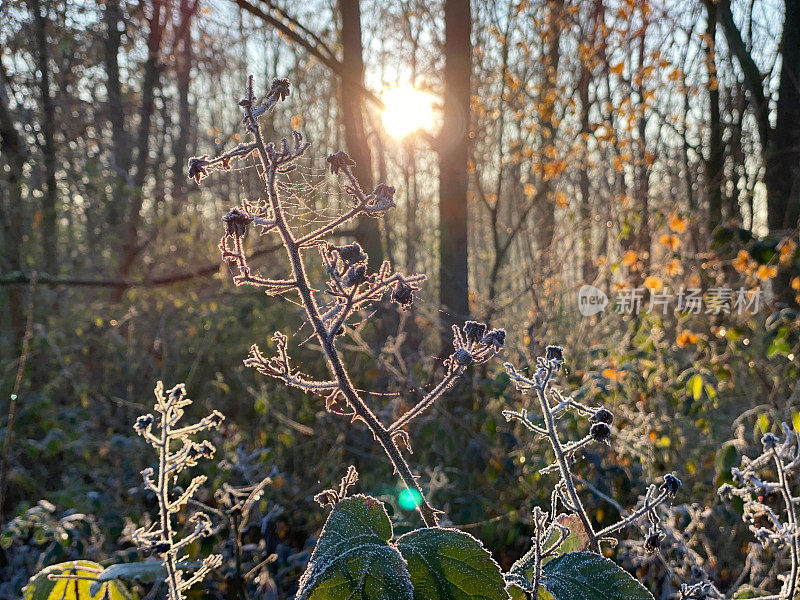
[(403, 294), (340, 160), (554, 354), (352, 253), (474, 331), (671, 484), (770, 441), (356, 275), (198, 167), (463, 357), (384, 197), (496, 338), (236, 222), (280, 88), (144, 423), (600, 432), (652, 542), (602, 415)]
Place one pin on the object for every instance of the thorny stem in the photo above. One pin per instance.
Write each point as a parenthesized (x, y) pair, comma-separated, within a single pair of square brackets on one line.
[(360, 409), (163, 505), (563, 466), (649, 504), (790, 585)]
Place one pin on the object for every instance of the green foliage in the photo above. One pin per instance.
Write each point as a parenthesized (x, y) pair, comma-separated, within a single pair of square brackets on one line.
[(589, 576), (446, 564), (354, 558)]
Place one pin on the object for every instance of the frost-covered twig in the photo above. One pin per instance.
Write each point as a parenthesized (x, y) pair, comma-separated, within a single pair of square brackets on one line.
[(161, 537), (553, 405), (759, 483), (350, 285)]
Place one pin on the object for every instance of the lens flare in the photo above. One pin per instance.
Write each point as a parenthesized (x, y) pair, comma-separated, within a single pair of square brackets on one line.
[(407, 110)]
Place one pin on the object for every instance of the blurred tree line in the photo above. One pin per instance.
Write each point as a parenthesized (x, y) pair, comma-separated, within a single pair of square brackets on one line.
[(621, 143)]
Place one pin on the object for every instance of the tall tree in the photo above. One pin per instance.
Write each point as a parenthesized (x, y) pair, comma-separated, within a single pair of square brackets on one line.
[(453, 151), (781, 144), (352, 107), (48, 127), (715, 161), (14, 153)]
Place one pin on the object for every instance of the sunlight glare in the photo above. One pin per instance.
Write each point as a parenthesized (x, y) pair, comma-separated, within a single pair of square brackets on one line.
[(407, 110)]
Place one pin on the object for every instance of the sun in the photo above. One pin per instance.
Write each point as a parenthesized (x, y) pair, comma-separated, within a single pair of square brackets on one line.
[(407, 109)]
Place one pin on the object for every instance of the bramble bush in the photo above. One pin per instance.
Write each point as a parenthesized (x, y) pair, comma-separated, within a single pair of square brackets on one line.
[(358, 553)]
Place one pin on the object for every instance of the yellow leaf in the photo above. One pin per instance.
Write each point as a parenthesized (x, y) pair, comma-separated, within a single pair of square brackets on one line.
[(696, 386), (561, 199)]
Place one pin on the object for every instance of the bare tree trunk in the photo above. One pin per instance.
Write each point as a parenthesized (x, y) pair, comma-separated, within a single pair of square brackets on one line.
[(453, 150), (120, 147), (181, 142), (13, 212), (715, 163), (50, 195), (589, 269), (783, 154), (781, 145), (643, 238), (152, 72), (367, 232)]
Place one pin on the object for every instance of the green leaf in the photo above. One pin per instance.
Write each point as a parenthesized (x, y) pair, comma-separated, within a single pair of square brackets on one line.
[(747, 592), (589, 576), (577, 540), (146, 571), (447, 564), (353, 559), (68, 587)]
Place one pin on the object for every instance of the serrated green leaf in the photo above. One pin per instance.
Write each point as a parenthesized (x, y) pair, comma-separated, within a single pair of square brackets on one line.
[(576, 541), (447, 564), (589, 576), (362, 570), (353, 559), (74, 582)]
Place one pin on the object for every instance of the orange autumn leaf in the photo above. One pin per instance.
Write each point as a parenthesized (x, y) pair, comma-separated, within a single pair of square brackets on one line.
[(685, 337), (630, 258), (677, 223), (765, 272), (613, 374), (787, 251), (670, 240), (653, 283), (742, 261), (530, 191), (674, 267), (796, 284), (561, 199)]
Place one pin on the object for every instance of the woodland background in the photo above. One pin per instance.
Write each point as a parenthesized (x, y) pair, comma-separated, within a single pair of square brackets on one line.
[(622, 143)]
